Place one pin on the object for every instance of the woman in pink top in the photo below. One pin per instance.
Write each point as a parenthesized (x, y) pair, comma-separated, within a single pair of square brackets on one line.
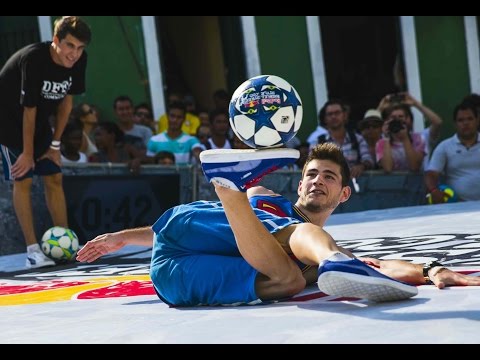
[(400, 149)]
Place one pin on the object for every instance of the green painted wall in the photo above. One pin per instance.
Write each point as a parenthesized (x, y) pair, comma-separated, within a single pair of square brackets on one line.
[(283, 51), (443, 65), (116, 62)]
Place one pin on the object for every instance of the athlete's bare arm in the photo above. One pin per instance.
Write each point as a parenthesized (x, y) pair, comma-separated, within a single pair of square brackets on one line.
[(413, 273), (108, 243)]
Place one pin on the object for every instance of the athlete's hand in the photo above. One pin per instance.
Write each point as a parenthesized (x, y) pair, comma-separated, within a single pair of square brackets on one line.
[(101, 245), (413, 274), (23, 165), (53, 155), (443, 277)]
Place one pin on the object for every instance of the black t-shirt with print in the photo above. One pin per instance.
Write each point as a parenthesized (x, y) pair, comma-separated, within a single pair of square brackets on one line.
[(31, 78)]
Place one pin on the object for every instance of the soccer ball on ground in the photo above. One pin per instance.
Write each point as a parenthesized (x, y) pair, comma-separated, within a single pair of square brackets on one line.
[(449, 195), (60, 244), (265, 111)]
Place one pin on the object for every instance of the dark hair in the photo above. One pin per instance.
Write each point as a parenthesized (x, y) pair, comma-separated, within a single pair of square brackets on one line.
[(178, 105), (164, 155), (465, 105), (323, 110), (121, 98), (145, 106), (472, 98), (406, 109), (330, 151), (215, 112), (112, 128), (72, 126), (74, 26)]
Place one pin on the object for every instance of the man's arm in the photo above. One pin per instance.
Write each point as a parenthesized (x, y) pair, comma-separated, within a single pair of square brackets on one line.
[(63, 112), (107, 243), (413, 273), (25, 161), (431, 183), (434, 118)]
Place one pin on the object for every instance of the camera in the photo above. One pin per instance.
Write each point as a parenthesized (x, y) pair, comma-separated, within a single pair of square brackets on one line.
[(395, 126), (397, 98)]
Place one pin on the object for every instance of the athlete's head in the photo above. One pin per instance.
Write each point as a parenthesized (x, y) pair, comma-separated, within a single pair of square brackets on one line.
[(325, 178), (329, 151)]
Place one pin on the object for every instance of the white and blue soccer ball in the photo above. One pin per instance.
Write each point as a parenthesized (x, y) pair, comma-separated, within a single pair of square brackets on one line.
[(60, 244), (265, 111)]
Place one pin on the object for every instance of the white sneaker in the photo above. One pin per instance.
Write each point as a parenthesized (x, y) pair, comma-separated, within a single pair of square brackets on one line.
[(38, 259)]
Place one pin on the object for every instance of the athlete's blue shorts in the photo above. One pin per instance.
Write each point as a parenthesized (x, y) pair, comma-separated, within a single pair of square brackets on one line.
[(43, 167), (195, 259)]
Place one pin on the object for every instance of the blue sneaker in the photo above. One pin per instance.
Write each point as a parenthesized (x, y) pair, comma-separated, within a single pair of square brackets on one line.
[(353, 278), (241, 169)]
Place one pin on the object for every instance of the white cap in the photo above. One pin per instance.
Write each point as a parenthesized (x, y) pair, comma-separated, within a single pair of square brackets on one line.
[(373, 113)]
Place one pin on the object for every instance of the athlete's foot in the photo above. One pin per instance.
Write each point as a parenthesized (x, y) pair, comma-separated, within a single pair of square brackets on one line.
[(241, 169), (355, 279)]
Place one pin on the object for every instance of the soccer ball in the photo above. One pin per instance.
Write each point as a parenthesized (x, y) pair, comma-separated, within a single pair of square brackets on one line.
[(60, 244), (265, 111), (449, 194)]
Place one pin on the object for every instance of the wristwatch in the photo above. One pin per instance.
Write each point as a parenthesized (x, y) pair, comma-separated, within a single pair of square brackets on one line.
[(427, 267)]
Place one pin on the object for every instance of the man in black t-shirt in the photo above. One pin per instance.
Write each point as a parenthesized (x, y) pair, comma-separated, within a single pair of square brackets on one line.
[(37, 84)]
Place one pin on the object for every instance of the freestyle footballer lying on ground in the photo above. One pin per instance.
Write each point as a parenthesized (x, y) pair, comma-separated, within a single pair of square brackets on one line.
[(218, 253)]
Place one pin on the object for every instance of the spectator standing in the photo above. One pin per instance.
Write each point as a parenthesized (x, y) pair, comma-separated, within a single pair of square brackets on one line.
[(334, 117), (371, 129), (71, 144), (400, 149), (88, 117), (457, 158), (219, 128), (123, 108), (190, 124), (143, 116), (431, 134), (174, 140), (38, 82)]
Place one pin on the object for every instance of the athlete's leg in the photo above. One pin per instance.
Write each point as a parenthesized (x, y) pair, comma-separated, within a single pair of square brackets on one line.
[(55, 199), (311, 244), (22, 203), (195, 258), (279, 275), (238, 170)]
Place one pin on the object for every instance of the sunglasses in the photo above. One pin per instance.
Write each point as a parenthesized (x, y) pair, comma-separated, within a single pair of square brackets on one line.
[(142, 114), (371, 125)]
